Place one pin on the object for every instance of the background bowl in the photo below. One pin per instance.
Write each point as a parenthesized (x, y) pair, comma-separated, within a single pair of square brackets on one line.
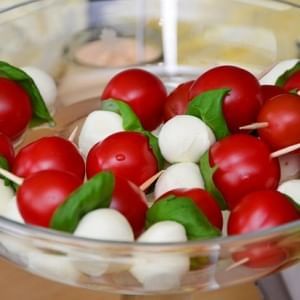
[(177, 43)]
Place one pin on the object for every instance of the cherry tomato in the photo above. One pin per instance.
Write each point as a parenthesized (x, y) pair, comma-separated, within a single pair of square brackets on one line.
[(49, 153), (243, 165), (6, 149), (282, 113), (177, 101), (257, 211), (205, 202), (269, 91), (242, 103), (15, 109), (261, 210), (293, 82), (130, 201), (127, 154), (41, 193), (143, 91)]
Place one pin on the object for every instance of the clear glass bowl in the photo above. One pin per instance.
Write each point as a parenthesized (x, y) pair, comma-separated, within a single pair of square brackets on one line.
[(59, 36)]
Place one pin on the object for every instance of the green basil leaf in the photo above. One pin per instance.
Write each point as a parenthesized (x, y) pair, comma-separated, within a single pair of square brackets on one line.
[(93, 194), (132, 123), (130, 120), (184, 211), (282, 79), (40, 111), (209, 108), (5, 165), (207, 173)]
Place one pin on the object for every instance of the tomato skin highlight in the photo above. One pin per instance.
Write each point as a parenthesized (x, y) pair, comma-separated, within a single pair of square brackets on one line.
[(126, 154), (15, 109), (177, 101), (282, 113), (204, 201), (41, 193), (49, 153), (244, 100), (130, 201), (142, 91), (243, 165), (6, 149)]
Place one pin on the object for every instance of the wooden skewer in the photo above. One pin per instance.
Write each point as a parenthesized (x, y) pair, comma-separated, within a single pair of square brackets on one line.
[(237, 264), (12, 177), (254, 126), (72, 136), (149, 181), (285, 150)]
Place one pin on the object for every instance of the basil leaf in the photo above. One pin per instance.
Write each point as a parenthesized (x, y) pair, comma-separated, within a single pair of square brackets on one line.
[(282, 79), (40, 111), (207, 173), (209, 108), (5, 165), (132, 123), (130, 120), (184, 211), (95, 193)]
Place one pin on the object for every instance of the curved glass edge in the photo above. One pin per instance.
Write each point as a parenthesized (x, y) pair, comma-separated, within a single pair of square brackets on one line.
[(11, 227)]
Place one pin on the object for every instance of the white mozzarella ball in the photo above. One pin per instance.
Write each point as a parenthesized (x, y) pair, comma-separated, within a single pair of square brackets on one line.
[(289, 166), (52, 266), (45, 83), (291, 188), (105, 224), (161, 271), (12, 212), (181, 175), (98, 126), (6, 194), (185, 138), (271, 76)]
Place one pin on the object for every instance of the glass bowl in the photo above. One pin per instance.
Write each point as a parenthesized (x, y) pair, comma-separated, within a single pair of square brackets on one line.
[(177, 43)]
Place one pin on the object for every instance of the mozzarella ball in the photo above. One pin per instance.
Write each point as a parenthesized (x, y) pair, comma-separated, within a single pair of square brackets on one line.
[(291, 188), (6, 194), (98, 126), (45, 83), (181, 175), (289, 166), (161, 271), (57, 267), (105, 224), (272, 75), (12, 212), (185, 139)]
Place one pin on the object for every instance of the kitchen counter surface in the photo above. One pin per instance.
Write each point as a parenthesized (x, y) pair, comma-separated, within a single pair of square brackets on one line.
[(16, 284)]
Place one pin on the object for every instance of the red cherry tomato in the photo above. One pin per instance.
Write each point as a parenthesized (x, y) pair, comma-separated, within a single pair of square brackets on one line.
[(127, 154), (244, 100), (15, 108), (177, 101), (282, 113), (6, 149), (130, 201), (261, 210), (41, 193), (243, 165), (293, 82), (269, 91), (143, 91), (49, 153), (205, 202)]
